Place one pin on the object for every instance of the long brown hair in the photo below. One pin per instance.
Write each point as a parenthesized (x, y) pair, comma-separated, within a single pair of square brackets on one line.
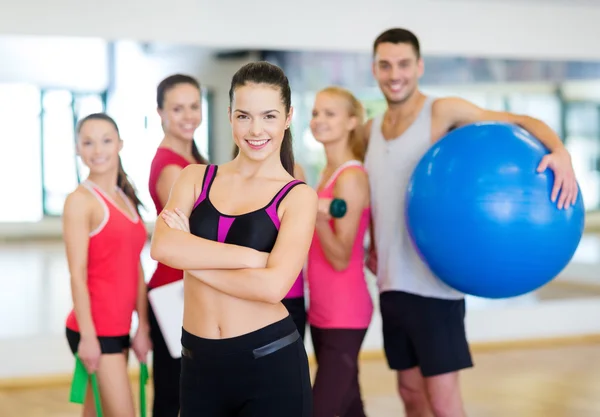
[(263, 72), (356, 141), (122, 180), (163, 88)]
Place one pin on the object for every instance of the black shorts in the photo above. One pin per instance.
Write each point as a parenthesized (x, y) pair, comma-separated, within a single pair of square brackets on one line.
[(108, 344), (260, 374), (425, 332)]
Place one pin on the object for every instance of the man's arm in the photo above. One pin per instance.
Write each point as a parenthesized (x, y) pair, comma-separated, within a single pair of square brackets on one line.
[(454, 112), (449, 113)]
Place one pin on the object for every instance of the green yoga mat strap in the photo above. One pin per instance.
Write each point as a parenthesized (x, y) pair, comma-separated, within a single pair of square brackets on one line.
[(79, 386), (96, 391), (143, 381), (79, 383)]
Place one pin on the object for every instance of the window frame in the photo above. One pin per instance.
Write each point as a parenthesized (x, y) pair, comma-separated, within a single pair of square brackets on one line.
[(103, 95)]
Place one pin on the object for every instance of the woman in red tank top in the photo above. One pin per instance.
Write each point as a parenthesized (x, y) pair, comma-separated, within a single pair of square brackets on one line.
[(104, 236), (179, 104)]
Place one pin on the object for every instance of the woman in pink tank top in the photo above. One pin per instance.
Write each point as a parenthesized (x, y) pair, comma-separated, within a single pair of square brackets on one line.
[(341, 306)]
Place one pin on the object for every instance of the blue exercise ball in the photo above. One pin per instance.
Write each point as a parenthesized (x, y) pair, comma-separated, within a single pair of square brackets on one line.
[(480, 215)]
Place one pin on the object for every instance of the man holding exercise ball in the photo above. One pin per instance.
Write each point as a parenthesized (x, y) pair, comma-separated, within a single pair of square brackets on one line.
[(423, 319)]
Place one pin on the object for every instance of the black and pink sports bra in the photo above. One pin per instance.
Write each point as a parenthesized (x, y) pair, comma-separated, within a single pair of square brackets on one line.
[(257, 229)]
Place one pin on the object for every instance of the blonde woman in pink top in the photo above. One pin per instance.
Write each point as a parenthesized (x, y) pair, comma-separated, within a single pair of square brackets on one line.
[(340, 304)]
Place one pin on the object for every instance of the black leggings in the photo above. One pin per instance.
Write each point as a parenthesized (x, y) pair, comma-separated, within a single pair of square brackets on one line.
[(260, 374), (297, 310), (336, 389), (166, 372)]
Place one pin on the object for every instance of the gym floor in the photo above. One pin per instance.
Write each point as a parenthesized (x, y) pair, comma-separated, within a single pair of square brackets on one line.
[(550, 379), (541, 382)]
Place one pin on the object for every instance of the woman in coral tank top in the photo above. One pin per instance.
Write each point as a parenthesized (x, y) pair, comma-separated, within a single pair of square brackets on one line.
[(179, 102), (340, 303), (104, 236)]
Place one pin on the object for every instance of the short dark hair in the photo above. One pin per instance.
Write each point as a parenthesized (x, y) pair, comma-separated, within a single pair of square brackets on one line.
[(398, 35)]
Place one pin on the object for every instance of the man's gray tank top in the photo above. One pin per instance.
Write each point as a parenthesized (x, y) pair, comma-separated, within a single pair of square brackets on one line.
[(390, 165)]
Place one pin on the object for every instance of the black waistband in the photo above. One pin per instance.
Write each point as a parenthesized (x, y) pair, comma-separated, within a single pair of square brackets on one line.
[(260, 342)]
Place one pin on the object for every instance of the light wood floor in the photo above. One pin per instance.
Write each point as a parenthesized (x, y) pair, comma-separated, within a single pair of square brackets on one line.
[(550, 382)]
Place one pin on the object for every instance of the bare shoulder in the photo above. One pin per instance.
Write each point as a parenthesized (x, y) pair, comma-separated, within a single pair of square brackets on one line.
[(191, 176), (446, 106), (449, 113), (352, 179), (353, 174), (170, 171), (301, 198), (186, 188), (79, 202), (455, 108), (302, 191), (79, 209), (352, 185), (193, 172)]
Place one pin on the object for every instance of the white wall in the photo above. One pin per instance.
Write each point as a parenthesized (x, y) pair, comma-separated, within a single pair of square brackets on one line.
[(559, 29), (54, 62)]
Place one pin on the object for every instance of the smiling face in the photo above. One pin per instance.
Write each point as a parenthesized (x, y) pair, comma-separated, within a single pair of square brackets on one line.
[(397, 69), (181, 111), (258, 120), (331, 118), (98, 145)]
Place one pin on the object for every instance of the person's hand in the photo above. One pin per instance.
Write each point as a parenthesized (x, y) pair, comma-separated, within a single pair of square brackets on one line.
[(323, 207), (89, 352), (176, 220), (371, 261), (141, 344), (565, 182)]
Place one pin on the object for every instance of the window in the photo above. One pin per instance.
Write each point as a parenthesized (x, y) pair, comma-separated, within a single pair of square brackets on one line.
[(583, 142), (20, 167), (38, 160), (546, 107), (60, 110), (84, 105), (58, 149), (583, 119)]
